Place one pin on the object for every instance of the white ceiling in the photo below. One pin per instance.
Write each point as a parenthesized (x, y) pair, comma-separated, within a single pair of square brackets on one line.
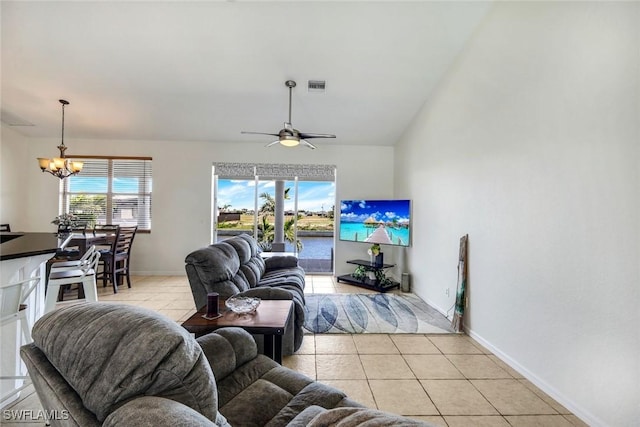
[(205, 70)]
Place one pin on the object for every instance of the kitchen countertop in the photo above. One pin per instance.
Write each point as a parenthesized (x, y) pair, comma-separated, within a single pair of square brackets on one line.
[(18, 245)]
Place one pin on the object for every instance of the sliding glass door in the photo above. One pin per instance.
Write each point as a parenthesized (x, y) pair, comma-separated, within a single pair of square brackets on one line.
[(288, 212)]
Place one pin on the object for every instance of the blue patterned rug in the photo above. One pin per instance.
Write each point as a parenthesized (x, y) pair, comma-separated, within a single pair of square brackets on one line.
[(372, 314)]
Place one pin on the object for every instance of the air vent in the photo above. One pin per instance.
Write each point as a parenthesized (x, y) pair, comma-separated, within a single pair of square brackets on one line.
[(318, 86)]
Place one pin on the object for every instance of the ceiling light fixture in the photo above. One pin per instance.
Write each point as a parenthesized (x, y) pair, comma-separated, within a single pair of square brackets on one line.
[(60, 166)]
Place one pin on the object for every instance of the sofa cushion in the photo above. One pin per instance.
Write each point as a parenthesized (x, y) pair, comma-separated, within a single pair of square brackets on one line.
[(272, 395), (251, 264), (314, 393), (251, 273), (286, 276), (281, 261), (215, 268), (253, 245), (227, 349), (110, 353), (242, 247), (261, 388), (215, 263)]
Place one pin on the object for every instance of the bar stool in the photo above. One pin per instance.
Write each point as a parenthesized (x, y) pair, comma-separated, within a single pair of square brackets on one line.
[(82, 271), (12, 299), (13, 310), (71, 265)]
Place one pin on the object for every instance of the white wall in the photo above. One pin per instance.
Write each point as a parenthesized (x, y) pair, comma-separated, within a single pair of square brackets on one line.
[(182, 188), (530, 146), (12, 146)]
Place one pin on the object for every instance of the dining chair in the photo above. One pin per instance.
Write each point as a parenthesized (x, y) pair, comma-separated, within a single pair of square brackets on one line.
[(84, 273), (116, 261), (106, 251), (111, 231), (5, 227), (12, 310), (105, 229)]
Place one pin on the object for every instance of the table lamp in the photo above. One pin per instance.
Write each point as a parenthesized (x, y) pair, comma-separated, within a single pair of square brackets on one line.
[(378, 237)]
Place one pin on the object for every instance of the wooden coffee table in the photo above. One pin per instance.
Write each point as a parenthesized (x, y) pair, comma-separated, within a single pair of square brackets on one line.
[(269, 320)]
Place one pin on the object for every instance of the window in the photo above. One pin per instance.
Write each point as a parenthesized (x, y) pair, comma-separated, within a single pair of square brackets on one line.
[(110, 190)]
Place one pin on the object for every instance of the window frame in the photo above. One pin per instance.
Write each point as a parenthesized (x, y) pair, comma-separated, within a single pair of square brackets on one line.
[(65, 195)]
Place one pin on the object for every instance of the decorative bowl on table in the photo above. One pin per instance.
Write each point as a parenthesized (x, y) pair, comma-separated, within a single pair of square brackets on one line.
[(242, 305)]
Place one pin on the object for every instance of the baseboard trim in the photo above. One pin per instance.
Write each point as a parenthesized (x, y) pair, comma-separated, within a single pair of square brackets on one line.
[(578, 411), (438, 309)]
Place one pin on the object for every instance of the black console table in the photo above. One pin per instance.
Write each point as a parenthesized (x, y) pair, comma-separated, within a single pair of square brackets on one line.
[(366, 282)]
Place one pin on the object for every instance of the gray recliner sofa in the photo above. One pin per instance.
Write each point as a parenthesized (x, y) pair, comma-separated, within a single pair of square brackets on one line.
[(235, 267), (117, 365)]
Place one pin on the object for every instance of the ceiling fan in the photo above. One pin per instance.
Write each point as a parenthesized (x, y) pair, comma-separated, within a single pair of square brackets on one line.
[(288, 136)]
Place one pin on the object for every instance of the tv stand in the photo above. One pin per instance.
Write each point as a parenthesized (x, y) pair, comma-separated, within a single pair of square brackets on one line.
[(381, 283)]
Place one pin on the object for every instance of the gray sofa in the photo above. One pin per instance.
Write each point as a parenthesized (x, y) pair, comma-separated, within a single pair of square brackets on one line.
[(117, 365), (235, 267)]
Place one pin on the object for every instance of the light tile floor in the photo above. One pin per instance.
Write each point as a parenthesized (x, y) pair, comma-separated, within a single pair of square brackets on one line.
[(449, 380)]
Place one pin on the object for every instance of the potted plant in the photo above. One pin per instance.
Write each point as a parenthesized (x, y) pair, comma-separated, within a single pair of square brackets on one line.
[(66, 223)]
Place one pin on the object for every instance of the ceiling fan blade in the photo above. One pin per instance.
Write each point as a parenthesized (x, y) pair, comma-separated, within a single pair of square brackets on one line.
[(308, 144), (260, 133), (315, 135), (271, 144)]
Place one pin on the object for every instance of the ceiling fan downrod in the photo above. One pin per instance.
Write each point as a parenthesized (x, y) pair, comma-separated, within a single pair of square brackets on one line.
[(290, 84)]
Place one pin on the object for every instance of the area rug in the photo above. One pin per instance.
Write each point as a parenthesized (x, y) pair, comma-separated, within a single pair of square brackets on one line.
[(372, 314)]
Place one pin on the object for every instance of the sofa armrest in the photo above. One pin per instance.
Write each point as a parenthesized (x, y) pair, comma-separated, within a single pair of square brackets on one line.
[(267, 293), (226, 349), (54, 392), (153, 411), (280, 261)]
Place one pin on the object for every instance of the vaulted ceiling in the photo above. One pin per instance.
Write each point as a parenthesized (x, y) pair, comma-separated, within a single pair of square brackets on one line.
[(205, 70)]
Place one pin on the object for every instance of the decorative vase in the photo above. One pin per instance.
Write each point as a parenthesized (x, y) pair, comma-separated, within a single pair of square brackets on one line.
[(379, 260)]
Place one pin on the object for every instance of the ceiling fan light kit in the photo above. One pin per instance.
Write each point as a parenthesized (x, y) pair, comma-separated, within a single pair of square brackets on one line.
[(288, 136), (289, 141)]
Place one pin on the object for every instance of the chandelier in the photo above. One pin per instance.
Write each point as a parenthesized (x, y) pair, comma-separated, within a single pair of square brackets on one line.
[(60, 166)]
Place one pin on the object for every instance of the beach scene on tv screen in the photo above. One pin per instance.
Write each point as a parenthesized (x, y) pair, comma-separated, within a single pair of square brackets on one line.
[(379, 220)]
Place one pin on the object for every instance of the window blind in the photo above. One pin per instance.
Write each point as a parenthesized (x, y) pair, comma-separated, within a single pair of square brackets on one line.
[(110, 190)]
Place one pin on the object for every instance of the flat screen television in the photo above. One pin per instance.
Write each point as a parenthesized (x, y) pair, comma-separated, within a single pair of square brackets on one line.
[(376, 220)]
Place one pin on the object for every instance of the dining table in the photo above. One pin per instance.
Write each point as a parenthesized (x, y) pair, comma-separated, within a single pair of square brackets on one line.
[(85, 240)]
